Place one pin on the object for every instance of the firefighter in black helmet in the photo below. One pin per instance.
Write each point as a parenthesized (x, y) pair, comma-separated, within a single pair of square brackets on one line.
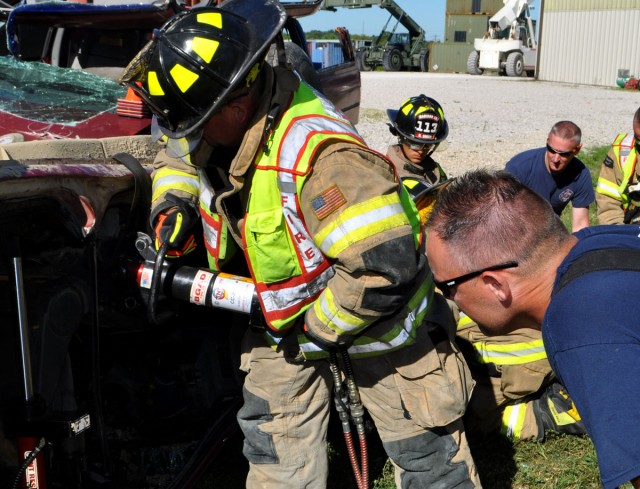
[(420, 127), (272, 173)]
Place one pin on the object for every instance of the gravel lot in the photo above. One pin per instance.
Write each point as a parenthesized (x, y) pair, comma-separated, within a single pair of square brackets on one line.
[(492, 118)]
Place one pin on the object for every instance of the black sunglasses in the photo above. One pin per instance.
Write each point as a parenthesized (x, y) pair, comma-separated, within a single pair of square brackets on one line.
[(564, 154), (446, 285)]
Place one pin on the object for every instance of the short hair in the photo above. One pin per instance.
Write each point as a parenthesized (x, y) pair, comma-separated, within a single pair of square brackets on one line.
[(567, 130), (636, 117), (489, 217)]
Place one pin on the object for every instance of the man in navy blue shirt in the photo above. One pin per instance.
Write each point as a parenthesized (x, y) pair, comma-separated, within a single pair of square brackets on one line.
[(556, 174), (580, 290)]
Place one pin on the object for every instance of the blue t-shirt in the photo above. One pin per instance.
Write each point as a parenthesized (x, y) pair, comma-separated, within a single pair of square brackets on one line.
[(591, 332), (573, 184)]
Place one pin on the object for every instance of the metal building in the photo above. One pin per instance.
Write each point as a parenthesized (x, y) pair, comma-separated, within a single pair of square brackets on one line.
[(589, 41)]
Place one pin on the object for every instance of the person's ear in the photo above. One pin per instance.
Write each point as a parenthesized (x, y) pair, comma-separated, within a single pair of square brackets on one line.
[(497, 286), (240, 110), (577, 149)]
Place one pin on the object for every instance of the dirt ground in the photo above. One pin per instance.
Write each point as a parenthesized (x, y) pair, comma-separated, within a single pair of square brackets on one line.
[(492, 118)]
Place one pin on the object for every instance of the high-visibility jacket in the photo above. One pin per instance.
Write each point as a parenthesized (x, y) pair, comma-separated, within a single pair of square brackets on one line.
[(616, 173), (292, 267), (289, 269)]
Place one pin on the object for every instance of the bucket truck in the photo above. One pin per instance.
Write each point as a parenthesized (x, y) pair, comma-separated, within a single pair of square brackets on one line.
[(509, 47)]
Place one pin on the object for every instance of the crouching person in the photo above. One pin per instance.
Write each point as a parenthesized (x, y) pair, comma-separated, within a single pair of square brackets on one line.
[(499, 251)]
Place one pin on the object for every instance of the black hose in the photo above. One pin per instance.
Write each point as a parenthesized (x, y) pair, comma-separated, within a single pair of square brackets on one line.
[(142, 193), (27, 461), (156, 283)]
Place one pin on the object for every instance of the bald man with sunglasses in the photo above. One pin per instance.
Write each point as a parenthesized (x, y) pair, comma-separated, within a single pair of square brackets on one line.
[(556, 174)]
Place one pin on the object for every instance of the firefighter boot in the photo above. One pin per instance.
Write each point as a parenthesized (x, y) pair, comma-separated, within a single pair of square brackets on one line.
[(555, 410)]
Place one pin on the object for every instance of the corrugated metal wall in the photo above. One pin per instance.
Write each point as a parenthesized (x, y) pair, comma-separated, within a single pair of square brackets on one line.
[(588, 41), (449, 57)]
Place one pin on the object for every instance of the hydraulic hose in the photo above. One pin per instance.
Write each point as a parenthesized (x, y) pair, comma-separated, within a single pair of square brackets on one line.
[(27, 461), (349, 407), (156, 284)]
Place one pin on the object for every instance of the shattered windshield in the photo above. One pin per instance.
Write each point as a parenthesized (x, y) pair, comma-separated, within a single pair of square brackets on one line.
[(46, 93)]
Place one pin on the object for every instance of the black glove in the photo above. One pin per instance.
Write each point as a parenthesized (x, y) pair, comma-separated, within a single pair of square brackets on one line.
[(174, 226)]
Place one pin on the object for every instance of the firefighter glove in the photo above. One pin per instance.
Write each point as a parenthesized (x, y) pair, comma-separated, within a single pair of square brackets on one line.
[(174, 226)]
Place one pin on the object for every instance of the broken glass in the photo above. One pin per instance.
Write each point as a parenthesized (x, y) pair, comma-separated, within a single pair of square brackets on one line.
[(45, 93)]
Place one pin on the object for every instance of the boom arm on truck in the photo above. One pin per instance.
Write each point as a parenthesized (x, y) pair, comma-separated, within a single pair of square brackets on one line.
[(398, 51)]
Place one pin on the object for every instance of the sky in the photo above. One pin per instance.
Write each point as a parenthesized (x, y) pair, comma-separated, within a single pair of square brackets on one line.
[(430, 14)]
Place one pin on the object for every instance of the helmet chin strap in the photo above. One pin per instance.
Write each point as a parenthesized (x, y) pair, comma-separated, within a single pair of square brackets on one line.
[(277, 104), (282, 55)]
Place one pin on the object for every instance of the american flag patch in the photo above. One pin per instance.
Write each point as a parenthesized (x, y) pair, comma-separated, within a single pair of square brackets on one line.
[(327, 202)]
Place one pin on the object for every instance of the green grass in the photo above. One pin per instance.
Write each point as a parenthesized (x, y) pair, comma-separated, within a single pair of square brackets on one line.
[(592, 159)]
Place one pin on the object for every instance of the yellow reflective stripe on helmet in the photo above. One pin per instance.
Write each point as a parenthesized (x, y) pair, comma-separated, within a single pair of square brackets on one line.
[(167, 179), (154, 85), (361, 221), (511, 354), (606, 187), (212, 18), (183, 77), (513, 420), (205, 48), (335, 318)]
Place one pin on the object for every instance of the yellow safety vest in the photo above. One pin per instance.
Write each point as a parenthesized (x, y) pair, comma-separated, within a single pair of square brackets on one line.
[(288, 269), (626, 158)]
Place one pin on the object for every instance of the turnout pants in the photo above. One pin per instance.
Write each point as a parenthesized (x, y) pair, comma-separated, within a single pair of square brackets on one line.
[(510, 371), (416, 397)]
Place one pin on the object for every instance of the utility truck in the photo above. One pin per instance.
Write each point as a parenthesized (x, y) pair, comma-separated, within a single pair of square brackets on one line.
[(393, 50), (509, 47)]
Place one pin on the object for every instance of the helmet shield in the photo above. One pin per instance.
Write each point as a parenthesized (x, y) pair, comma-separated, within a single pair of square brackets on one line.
[(420, 120), (201, 56)]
